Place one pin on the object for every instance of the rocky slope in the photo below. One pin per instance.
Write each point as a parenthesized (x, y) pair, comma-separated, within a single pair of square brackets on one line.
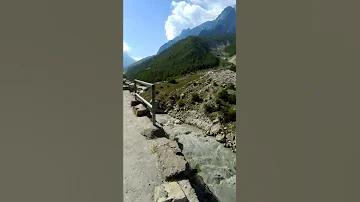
[(208, 87)]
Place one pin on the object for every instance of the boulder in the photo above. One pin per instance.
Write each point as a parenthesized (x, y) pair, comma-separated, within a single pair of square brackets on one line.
[(220, 138), (230, 136), (134, 103), (169, 192), (188, 190), (132, 87), (177, 121), (172, 163), (140, 110), (153, 132), (215, 129)]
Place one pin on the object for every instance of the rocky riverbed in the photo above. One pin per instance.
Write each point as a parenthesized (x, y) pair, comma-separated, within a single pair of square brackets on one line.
[(215, 164)]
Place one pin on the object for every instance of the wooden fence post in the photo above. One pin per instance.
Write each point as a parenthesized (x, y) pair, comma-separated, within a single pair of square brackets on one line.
[(153, 103)]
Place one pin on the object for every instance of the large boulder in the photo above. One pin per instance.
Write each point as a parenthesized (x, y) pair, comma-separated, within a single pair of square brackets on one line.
[(172, 163)]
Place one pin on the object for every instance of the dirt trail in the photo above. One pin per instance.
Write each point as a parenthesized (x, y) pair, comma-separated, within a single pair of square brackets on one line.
[(233, 59), (141, 173)]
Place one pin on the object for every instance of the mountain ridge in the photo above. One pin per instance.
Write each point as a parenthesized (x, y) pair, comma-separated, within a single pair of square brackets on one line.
[(127, 60), (224, 23)]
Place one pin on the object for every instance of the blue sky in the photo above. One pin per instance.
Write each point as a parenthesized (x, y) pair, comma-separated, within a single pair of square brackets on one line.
[(148, 24)]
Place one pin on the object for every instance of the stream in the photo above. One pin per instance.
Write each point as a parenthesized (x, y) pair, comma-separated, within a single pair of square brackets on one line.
[(216, 165)]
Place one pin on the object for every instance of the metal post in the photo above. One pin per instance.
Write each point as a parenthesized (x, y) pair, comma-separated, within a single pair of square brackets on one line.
[(153, 104), (135, 89)]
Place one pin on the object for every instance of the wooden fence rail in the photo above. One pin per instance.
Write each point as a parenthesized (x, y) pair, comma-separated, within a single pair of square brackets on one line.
[(152, 105)]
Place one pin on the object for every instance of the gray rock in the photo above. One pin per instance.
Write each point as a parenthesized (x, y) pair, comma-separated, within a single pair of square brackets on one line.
[(220, 138), (182, 96), (215, 129), (169, 192), (173, 166), (228, 144), (134, 103), (188, 190), (230, 136), (177, 121), (140, 110), (153, 132), (132, 87)]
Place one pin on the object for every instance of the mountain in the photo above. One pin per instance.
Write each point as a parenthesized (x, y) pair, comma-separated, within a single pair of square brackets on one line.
[(127, 60), (225, 23), (187, 55), (139, 62)]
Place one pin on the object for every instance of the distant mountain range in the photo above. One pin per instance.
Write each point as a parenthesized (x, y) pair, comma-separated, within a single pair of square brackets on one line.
[(127, 60), (225, 23)]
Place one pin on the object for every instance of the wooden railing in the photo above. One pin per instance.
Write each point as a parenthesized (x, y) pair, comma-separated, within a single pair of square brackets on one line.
[(152, 105)]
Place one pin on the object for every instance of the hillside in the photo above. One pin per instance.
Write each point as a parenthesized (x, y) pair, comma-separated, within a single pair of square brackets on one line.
[(188, 55), (230, 49), (225, 23), (215, 42)]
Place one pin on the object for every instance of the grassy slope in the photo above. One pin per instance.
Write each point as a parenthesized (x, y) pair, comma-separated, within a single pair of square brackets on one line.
[(165, 88)]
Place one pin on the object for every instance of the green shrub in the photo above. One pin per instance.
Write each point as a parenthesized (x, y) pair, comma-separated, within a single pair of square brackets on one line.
[(195, 97), (209, 108), (232, 99), (230, 115), (223, 95), (231, 87), (171, 80), (197, 168), (233, 67), (180, 103)]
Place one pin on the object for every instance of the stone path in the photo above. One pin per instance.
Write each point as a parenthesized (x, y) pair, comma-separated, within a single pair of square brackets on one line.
[(142, 156), (141, 174)]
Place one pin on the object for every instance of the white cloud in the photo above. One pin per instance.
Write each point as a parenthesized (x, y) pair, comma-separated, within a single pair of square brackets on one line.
[(191, 13), (126, 47), (137, 58)]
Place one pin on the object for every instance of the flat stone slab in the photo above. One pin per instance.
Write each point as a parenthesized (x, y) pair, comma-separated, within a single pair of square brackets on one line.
[(140, 110), (169, 192), (172, 163), (153, 132)]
